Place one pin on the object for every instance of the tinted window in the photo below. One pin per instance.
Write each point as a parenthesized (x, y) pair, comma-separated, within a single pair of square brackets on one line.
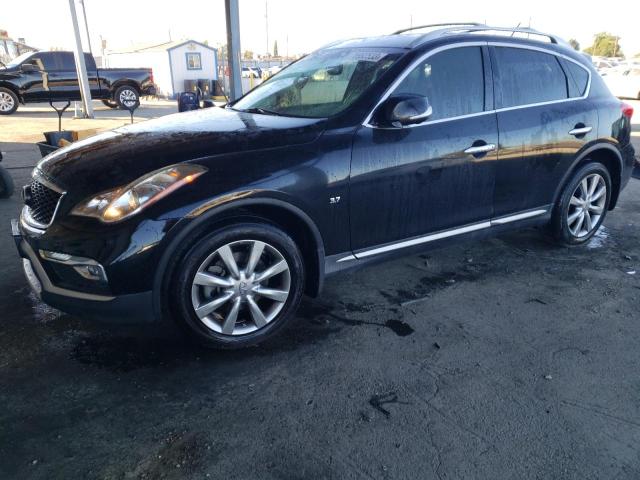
[(452, 80), (66, 61), (43, 60), (528, 76), (577, 77)]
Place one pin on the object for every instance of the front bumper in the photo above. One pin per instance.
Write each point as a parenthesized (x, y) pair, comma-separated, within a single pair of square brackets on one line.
[(132, 308)]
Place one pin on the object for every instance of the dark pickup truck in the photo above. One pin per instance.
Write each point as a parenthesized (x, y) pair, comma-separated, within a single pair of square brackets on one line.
[(45, 76)]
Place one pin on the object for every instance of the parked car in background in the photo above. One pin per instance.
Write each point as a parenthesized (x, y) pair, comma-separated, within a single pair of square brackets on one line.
[(361, 151), (44, 76), (250, 72), (602, 65), (624, 82)]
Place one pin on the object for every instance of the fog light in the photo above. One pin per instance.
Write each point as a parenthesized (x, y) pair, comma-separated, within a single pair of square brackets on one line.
[(85, 267), (90, 272)]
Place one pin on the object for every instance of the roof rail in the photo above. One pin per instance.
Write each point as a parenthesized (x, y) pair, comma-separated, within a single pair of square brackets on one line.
[(433, 25), (486, 28)]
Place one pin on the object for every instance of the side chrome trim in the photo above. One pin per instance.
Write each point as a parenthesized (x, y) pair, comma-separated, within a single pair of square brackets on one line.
[(428, 238), (346, 259), (47, 286), (415, 63), (444, 234), (519, 216)]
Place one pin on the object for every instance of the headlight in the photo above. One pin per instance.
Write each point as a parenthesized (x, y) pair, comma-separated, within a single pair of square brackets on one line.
[(120, 203)]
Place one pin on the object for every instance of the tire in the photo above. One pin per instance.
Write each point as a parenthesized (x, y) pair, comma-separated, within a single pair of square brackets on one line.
[(6, 184), (110, 103), (127, 93), (578, 215), (246, 311), (8, 101)]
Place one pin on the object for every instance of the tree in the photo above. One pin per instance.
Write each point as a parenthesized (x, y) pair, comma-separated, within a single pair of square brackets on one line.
[(275, 49), (574, 43), (605, 45), (247, 55)]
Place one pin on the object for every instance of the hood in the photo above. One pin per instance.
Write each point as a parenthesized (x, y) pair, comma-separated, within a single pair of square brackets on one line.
[(9, 73), (112, 159)]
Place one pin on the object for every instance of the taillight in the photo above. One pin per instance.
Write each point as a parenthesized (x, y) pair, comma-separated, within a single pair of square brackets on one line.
[(151, 80), (627, 110)]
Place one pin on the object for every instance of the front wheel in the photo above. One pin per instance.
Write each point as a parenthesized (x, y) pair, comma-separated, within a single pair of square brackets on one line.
[(110, 103), (583, 205), (238, 286), (8, 101)]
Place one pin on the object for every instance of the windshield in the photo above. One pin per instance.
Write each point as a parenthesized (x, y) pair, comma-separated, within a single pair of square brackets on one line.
[(321, 84), (18, 60)]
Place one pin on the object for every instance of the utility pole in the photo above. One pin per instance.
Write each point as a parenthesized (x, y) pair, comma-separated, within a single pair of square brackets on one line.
[(81, 67), (86, 25), (232, 14), (266, 23)]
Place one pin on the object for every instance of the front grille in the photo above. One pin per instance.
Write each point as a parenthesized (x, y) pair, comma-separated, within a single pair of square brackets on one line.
[(42, 202)]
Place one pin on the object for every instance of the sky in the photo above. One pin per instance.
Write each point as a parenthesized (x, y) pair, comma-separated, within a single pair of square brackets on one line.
[(300, 26)]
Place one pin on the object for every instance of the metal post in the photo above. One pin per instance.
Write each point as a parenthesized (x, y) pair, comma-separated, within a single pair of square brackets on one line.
[(86, 25), (233, 48), (81, 67)]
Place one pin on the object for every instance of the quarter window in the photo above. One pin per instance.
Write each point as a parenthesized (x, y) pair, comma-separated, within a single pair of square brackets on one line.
[(193, 61), (452, 80), (577, 77), (525, 77)]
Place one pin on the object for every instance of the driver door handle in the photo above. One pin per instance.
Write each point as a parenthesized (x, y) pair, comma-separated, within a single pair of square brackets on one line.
[(489, 147)]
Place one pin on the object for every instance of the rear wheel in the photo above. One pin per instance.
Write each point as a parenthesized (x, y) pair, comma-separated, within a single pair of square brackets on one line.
[(8, 101), (127, 96), (238, 286), (583, 205)]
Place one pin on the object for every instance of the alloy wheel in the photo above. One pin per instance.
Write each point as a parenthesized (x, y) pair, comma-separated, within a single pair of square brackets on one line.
[(241, 287), (587, 205), (6, 102), (128, 97)]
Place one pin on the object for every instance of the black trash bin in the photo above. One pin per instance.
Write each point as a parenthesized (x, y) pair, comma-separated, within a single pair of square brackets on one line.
[(188, 101)]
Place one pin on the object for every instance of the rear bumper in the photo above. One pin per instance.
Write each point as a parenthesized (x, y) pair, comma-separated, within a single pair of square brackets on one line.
[(132, 308), (148, 90)]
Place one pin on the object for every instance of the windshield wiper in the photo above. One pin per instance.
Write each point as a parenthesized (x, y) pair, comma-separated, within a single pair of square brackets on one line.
[(262, 111)]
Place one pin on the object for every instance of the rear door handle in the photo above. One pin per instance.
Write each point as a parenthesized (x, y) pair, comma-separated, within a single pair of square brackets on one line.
[(489, 147), (580, 131)]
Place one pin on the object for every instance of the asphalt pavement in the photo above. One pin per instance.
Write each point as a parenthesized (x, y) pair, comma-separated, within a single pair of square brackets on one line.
[(509, 358)]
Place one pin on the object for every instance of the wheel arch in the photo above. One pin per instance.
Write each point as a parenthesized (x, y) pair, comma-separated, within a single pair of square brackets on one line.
[(604, 153), (124, 83), (13, 88), (291, 219)]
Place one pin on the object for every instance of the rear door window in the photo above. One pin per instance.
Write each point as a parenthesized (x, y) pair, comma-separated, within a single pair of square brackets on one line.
[(452, 80), (67, 61), (526, 77)]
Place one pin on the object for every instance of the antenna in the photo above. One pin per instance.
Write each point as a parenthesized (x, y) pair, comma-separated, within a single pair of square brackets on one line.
[(515, 29)]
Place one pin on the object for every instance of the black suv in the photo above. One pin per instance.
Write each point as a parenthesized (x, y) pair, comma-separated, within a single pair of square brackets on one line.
[(363, 150)]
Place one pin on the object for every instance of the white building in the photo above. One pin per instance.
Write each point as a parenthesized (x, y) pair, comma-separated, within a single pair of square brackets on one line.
[(173, 63)]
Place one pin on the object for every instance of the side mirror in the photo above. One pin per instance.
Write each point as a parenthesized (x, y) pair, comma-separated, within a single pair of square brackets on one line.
[(405, 110), (29, 67)]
